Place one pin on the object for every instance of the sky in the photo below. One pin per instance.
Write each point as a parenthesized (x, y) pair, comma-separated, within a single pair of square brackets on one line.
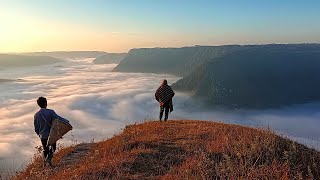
[(120, 25)]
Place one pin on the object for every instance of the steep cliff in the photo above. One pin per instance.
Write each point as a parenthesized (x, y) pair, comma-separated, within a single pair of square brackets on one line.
[(259, 77)]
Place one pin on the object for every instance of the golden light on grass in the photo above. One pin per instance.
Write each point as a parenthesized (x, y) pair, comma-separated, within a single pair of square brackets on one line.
[(186, 150)]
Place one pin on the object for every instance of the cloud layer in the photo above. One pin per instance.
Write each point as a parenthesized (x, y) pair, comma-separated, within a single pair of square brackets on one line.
[(99, 103)]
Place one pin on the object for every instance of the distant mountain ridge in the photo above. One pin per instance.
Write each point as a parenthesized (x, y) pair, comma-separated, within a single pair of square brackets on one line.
[(68, 54), (110, 58), (237, 76), (182, 61), (177, 61), (10, 60)]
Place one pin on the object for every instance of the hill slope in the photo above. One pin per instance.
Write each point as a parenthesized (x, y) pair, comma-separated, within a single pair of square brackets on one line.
[(10, 60), (259, 77), (183, 150)]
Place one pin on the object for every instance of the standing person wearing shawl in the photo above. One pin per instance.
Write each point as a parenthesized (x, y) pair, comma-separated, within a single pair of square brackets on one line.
[(164, 95)]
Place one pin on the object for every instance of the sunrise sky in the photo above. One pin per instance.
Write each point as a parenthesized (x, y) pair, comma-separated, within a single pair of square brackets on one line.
[(119, 25)]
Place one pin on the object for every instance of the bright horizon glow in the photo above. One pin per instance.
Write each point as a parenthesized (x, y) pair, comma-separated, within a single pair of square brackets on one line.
[(118, 26)]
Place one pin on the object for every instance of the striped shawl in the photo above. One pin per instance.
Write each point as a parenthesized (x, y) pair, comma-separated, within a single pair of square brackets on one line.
[(164, 93)]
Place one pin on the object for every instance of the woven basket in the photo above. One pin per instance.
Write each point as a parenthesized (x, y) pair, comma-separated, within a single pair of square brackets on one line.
[(58, 129)]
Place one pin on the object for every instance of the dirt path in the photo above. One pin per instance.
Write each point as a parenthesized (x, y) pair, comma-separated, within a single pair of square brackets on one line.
[(77, 154)]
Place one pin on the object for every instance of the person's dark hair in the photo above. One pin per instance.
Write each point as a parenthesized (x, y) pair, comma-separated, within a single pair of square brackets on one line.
[(42, 102), (164, 82)]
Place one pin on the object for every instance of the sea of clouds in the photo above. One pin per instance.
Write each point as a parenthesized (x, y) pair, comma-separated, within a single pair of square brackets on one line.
[(99, 103)]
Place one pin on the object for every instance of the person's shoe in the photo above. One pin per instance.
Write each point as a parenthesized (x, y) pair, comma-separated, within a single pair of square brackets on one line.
[(48, 161), (49, 158)]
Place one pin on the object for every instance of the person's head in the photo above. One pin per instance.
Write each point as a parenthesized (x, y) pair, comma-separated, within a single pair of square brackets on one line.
[(42, 102), (164, 82)]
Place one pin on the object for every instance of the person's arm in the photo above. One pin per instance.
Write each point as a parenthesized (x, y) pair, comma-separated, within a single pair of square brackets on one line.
[(173, 93), (36, 125), (156, 96), (54, 115)]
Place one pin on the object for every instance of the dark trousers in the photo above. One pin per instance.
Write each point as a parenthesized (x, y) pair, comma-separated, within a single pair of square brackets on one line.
[(165, 108), (48, 150)]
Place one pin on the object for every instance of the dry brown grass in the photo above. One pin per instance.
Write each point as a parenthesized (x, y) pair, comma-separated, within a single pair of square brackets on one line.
[(187, 150)]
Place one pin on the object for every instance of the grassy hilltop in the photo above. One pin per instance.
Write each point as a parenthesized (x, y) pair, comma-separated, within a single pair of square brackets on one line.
[(183, 150)]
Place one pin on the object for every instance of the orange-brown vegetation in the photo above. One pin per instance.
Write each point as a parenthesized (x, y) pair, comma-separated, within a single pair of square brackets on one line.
[(186, 150)]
